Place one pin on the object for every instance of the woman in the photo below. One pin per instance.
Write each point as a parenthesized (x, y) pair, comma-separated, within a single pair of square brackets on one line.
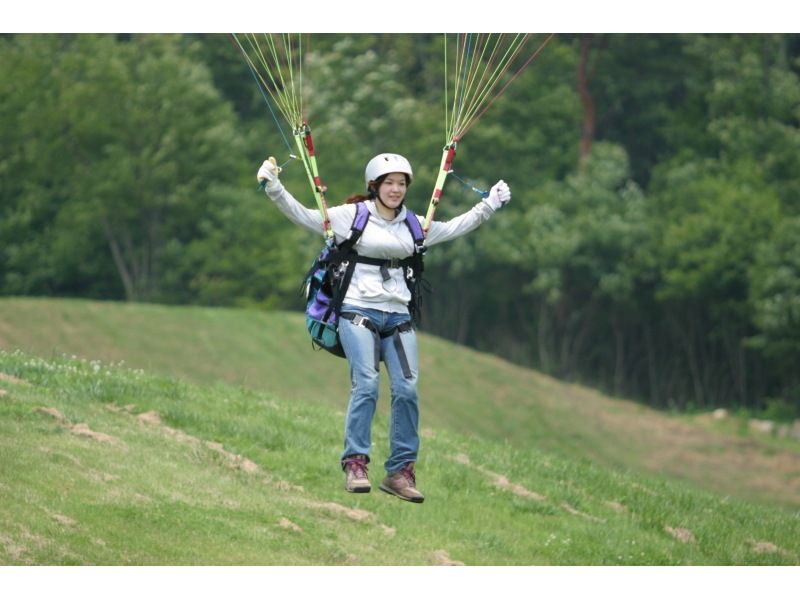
[(375, 308)]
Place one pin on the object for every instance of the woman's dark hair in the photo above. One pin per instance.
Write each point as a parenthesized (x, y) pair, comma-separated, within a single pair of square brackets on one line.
[(373, 190)]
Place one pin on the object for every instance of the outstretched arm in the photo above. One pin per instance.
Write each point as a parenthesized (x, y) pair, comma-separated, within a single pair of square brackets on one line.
[(293, 209), (341, 216), (440, 232)]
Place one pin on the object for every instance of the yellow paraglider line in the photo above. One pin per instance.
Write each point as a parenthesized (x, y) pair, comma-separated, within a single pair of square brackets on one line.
[(481, 61), (278, 68)]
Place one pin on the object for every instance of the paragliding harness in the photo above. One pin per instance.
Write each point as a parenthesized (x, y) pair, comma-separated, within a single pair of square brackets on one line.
[(327, 281)]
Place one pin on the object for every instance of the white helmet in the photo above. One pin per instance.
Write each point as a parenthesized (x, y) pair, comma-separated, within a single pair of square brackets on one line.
[(384, 164)]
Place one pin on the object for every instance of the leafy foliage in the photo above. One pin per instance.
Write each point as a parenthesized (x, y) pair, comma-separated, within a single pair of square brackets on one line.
[(659, 267)]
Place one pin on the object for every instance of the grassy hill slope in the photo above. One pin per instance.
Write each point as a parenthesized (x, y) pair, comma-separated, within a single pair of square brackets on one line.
[(100, 464), (462, 391)]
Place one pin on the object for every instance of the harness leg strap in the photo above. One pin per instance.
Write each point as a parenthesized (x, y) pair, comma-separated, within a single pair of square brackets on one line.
[(376, 349), (398, 346), (401, 353)]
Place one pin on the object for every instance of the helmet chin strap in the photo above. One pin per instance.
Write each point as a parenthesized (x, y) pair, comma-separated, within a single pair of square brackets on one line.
[(396, 210), (373, 194)]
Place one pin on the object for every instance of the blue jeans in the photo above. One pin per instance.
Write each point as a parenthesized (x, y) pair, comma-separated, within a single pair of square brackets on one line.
[(359, 346)]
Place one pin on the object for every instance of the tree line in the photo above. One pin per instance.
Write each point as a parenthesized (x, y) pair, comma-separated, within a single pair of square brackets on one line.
[(650, 249)]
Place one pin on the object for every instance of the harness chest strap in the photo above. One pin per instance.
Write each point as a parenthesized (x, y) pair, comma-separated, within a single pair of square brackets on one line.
[(412, 265), (384, 265)]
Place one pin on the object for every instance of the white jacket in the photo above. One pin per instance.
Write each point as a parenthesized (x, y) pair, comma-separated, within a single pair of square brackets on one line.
[(382, 239)]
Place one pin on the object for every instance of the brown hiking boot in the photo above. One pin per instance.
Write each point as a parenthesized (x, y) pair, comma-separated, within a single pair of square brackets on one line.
[(355, 471), (403, 484)]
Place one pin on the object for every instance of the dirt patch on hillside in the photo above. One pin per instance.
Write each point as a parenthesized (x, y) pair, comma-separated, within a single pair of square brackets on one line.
[(54, 413), (15, 552), (441, 557), (85, 431), (666, 445), (573, 511), (729, 465), (504, 483), (499, 480), (80, 429), (617, 507), (353, 514), (150, 417), (61, 455), (230, 459), (19, 546), (336, 509), (339, 510), (285, 486), (291, 526), (681, 534), (762, 547), (12, 379), (62, 519)]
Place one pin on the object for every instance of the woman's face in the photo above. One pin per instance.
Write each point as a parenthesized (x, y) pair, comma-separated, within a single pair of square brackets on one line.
[(392, 190)]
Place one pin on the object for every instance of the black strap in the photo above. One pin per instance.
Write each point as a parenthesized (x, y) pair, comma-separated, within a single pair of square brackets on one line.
[(385, 264), (389, 263), (401, 352), (404, 327), (341, 262), (360, 320)]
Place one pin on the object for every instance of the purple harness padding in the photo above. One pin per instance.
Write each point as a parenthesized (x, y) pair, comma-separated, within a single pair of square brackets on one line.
[(412, 222), (328, 279)]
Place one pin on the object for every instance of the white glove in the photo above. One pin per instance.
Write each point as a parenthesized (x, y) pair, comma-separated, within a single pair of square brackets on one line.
[(499, 195), (268, 173)]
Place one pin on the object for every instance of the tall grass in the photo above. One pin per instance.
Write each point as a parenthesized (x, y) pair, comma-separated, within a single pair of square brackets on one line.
[(102, 464), (462, 391)]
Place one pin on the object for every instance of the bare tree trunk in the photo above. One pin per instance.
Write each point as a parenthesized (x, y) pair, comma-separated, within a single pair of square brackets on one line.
[(686, 336), (545, 361), (619, 361), (153, 253), (582, 327), (652, 371), (563, 338), (737, 364), (135, 264), (119, 261), (463, 313), (585, 75)]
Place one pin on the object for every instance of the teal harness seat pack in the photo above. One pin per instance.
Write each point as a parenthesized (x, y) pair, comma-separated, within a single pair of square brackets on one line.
[(327, 281)]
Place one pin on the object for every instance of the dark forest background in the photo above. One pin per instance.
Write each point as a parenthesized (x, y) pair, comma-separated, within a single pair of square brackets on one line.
[(651, 248)]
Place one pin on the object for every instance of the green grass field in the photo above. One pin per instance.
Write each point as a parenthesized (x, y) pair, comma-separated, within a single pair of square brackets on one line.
[(216, 443)]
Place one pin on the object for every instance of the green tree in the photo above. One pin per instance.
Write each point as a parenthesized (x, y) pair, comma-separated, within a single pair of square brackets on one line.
[(582, 236), (115, 144), (775, 296), (754, 109), (359, 105), (247, 253), (706, 223)]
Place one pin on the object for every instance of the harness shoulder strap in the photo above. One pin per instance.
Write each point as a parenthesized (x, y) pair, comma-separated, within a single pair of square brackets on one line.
[(341, 260), (414, 226), (359, 223)]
